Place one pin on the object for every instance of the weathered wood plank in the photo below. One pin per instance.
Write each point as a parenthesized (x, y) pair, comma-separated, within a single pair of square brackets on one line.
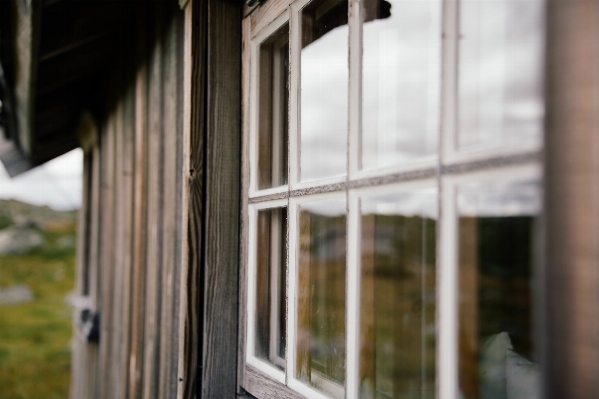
[(139, 231), (126, 219), (93, 351), (182, 168), (571, 293), (118, 248), (261, 386), (245, 183), (84, 356), (26, 18), (222, 168), (167, 355), (106, 253), (183, 125), (247, 10), (154, 164), (193, 158), (266, 13)]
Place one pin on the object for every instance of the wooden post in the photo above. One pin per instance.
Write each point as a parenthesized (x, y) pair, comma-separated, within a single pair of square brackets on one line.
[(571, 283), (222, 184)]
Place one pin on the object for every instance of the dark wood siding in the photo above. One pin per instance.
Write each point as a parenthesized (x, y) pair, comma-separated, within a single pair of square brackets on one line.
[(163, 203), (135, 199)]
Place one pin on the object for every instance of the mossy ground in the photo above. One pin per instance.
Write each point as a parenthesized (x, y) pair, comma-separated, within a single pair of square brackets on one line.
[(35, 353)]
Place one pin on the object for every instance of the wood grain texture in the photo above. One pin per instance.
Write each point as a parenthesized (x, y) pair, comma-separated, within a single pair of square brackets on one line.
[(85, 356), (126, 256), (154, 165), (191, 313), (26, 16), (223, 137), (167, 353), (182, 195), (247, 10), (185, 49), (266, 13), (92, 363), (264, 387), (106, 253), (136, 191), (139, 233), (245, 184), (571, 291), (114, 314)]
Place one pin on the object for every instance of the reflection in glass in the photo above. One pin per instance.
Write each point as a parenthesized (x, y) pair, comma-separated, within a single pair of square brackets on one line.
[(321, 296), (397, 316), (496, 234), (271, 287), (324, 88), (273, 105), (500, 72), (400, 81)]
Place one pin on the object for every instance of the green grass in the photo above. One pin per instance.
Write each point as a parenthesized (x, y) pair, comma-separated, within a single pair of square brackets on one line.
[(35, 337)]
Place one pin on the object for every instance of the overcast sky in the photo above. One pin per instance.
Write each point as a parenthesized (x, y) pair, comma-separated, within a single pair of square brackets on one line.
[(56, 183)]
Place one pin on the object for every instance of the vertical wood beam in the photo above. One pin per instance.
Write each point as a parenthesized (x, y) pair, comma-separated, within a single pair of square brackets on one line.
[(118, 247), (181, 201), (106, 254), (154, 164), (92, 353), (222, 168), (245, 182), (136, 359), (571, 285), (126, 219), (193, 159), (167, 355), (85, 356)]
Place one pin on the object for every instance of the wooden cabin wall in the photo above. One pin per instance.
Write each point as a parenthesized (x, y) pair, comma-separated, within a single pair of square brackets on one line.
[(133, 213)]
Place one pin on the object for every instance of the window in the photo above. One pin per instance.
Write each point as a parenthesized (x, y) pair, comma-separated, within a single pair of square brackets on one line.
[(392, 190)]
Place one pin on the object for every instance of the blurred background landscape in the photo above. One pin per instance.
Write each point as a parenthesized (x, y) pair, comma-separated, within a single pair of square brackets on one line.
[(37, 267), (38, 219)]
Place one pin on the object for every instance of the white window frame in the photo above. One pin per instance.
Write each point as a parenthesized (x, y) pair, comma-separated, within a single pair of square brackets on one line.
[(252, 271), (445, 171)]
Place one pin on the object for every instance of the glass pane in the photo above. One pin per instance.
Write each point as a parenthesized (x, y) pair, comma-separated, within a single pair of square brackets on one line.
[(324, 88), (397, 316), (500, 72), (400, 81), (321, 296), (271, 290), (272, 118), (496, 236)]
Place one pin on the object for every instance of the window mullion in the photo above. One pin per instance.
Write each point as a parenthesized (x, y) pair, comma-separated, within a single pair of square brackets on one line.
[(353, 298), (449, 76), (353, 237), (355, 86), (447, 373), (447, 298), (294, 93), (292, 236)]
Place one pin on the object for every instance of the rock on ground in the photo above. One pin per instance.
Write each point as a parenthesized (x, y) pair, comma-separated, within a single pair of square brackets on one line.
[(65, 242), (15, 295), (18, 240)]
